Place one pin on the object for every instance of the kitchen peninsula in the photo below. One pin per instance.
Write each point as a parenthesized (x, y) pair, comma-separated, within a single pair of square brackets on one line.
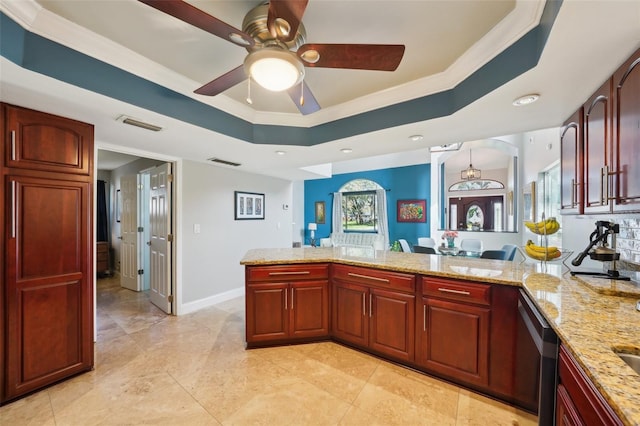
[(591, 317)]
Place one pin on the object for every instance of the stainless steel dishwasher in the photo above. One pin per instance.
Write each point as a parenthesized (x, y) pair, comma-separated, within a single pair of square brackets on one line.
[(536, 376)]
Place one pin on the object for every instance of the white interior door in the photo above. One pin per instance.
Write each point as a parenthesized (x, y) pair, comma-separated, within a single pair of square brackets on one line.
[(129, 277), (160, 227)]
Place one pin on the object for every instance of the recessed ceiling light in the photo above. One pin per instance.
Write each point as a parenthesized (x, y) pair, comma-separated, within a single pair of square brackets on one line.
[(281, 152), (526, 99), (416, 138), (346, 150)]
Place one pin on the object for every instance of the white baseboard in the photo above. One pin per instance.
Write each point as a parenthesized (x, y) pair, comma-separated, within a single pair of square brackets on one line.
[(189, 307)]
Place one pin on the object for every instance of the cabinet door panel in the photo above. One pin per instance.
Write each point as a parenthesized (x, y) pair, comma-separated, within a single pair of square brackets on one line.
[(49, 287), (309, 309), (350, 320), (597, 139), (571, 164), (458, 340), (392, 323), (47, 142), (627, 135), (267, 314)]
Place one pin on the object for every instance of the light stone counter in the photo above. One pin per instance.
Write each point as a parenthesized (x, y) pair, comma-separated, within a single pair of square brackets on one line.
[(586, 312)]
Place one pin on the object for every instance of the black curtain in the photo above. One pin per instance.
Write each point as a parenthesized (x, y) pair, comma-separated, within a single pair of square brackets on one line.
[(102, 231)]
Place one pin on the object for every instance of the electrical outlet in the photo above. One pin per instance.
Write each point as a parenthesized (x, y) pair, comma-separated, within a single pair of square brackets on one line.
[(196, 228)]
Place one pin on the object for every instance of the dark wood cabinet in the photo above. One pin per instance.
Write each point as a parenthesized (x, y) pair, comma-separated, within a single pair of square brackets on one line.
[(599, 147), (597, 150), (579, 402), (102, 258), (38, 141), (626, 136), (566, 412), (571, 164), (47, 247), (454, 337), (349, 312), (286, 303), (375, 310)]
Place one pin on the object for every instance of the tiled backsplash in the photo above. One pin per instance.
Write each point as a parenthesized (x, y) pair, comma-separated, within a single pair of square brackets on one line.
[(628, 243)]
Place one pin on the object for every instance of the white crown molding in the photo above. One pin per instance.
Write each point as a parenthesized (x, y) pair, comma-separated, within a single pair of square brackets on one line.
[(35, 18)]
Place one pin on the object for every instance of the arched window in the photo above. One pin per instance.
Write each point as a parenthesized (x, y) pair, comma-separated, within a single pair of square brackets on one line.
[(360, 210)]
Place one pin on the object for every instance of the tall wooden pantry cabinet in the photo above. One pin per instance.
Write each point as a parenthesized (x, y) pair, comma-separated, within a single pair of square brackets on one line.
[(46, 299)]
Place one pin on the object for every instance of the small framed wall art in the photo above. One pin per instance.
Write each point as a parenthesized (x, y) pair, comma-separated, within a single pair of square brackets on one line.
[(248, 205), (412, 210), (320, 212)]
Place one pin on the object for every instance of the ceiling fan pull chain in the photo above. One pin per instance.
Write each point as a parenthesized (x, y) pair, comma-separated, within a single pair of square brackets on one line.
[(302, 91), (249, 101)]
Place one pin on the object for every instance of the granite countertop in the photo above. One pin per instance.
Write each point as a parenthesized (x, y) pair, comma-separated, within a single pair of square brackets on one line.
[(592, 316)]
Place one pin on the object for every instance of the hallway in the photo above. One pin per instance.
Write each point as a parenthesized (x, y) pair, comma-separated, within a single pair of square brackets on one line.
[(193, 370)]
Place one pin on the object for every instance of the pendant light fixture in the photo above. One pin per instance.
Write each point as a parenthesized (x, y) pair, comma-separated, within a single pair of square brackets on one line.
[(470, 173)]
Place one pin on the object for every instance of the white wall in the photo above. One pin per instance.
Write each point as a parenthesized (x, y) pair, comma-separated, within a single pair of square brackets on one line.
[(297, 207), (210, 269)]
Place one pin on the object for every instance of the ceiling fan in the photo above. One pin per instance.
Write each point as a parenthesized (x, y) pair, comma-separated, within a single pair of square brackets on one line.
[(275, 37)]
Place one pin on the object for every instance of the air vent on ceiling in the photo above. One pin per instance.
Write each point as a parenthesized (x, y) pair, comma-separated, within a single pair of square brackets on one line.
[(138, 123), (221, 161)]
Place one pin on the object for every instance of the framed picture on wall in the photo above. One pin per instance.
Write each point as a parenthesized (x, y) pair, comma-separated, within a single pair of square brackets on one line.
[(320, 212), (248, 205), (412, 210), (529, 201)]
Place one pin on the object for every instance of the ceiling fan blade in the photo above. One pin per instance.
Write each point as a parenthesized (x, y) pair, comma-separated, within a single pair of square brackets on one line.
[(299, 91), (284, 18), (377, 57), (224, 82), (198, 18)]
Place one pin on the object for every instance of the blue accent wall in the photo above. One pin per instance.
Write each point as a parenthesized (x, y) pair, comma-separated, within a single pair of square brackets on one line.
[(402, 183)]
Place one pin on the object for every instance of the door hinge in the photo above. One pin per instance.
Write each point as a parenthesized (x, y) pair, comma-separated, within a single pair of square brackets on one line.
[(140, 271), (140, 228), (169, 178), (170, 298), (170, 238)]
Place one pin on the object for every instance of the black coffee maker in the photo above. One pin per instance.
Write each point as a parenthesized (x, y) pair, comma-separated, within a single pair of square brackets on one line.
[(599, 249)]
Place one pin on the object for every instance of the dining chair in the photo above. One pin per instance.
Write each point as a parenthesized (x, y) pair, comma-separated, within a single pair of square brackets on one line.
[(493, 254), (423, 249), (405, 246), (510, 251), (426, 242), (471, 245)]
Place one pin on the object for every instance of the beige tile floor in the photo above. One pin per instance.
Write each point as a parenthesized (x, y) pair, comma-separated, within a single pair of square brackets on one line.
[(194, 370)]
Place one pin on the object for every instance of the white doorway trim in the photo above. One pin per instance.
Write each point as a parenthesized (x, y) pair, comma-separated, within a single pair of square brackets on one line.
[(176, 204)]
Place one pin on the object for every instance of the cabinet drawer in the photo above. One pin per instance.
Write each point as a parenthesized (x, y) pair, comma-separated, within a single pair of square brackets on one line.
[(100, 257), (287, 272), (456, 290), (375, 277)]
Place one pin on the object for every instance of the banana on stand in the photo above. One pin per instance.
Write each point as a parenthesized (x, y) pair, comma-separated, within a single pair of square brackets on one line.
[(544, 227), (541, 253)]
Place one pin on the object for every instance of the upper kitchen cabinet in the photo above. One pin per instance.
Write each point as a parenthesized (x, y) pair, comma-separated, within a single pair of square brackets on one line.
[(626, 135), (571, 164), (597, 147), (600, 144), (47, 142)]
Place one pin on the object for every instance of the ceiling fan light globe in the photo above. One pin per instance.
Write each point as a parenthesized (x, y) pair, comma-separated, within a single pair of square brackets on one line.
[(274, 69)]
